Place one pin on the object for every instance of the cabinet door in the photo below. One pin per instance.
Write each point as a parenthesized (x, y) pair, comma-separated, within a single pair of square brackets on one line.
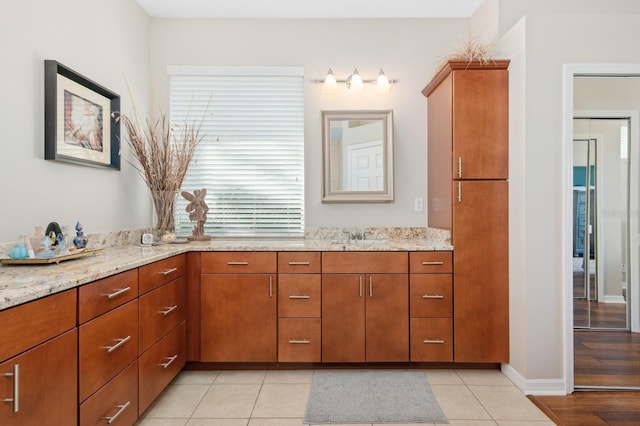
[(480, 124), (343, 318), (481, 272), (47, 384), (238, 313), (387, 318)]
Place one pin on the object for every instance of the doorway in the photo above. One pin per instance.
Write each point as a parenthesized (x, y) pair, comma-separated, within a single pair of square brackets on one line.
[(602, 250)]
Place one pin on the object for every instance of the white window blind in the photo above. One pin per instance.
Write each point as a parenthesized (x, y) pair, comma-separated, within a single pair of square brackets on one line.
[(251, 160)]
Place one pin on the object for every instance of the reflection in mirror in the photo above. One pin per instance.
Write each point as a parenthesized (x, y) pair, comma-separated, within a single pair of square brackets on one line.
[(358, 156)]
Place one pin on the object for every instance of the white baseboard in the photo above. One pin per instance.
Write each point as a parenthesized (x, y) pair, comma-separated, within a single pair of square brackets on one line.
[(553, 387), (614, 299)]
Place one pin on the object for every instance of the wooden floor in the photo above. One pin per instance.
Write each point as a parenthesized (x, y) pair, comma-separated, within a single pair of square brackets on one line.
[(606, 358), (592, 408), (601, 359)]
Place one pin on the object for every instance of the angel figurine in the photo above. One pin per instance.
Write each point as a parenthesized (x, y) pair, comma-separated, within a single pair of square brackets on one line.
[(197, 209)]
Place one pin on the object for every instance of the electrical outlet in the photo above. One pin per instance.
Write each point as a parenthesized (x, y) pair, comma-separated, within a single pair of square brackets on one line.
[(418, 204)]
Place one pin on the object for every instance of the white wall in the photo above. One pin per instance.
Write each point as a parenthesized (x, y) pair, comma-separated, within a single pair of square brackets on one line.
[(536, 169), (104, 41), (407, 49)]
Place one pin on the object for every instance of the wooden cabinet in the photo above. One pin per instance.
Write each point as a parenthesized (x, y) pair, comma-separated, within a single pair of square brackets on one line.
[(238, 307), (107, 345), (365, 307), (39, 362), (115, 403), (160, 364), (468, 171), (162, 352), (431, 306), (481, 273), (299, 301)]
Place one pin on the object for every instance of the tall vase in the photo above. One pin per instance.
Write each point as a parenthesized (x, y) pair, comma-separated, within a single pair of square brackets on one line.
[(164, 207)]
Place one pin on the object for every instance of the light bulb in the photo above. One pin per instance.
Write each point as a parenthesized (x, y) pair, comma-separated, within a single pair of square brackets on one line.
[(382, 86), (355, 83), (330, 84)]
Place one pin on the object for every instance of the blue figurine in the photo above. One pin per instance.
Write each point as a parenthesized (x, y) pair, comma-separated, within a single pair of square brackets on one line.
[(80, 241)]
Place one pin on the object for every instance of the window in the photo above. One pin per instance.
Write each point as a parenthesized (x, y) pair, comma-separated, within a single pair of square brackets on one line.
[(251, 160)]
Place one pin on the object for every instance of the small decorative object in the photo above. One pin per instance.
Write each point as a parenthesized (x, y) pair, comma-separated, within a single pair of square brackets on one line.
[(53, 231), (19, 251), (146, 239), (80, 241), (197, 209), (163, 152)]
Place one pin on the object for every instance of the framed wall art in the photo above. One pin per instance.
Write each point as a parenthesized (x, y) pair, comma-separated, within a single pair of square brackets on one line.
[(80, 125)]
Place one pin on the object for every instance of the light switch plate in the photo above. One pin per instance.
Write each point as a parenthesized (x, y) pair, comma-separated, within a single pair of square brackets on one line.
[(418, 204)]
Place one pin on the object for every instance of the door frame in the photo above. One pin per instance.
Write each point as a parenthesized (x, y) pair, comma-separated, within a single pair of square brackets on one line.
[(570, 71)]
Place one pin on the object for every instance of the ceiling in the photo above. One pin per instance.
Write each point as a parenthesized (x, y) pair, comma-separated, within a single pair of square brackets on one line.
[(310, 9)]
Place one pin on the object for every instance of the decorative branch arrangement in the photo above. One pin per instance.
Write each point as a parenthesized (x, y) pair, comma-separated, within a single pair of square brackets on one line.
[(163, 153)]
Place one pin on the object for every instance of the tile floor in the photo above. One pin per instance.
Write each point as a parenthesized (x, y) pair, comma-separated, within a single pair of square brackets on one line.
[(279, 398)]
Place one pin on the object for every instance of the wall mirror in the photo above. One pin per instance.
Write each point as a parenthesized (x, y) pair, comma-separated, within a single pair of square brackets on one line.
[(357, 156)]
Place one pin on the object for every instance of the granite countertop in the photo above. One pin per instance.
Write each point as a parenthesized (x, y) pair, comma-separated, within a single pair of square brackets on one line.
[(24, 283)]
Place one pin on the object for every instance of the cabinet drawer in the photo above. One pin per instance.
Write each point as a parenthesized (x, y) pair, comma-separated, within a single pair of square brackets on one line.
[(160, 364), (299, 295), (299, 262), (103, 295), (299, 340), (365, 262), (239, 262), (155, 274), (430, 295), (115, 403), (160, 311), (431, 340), (107, 345), (431, 262), (28, 325)]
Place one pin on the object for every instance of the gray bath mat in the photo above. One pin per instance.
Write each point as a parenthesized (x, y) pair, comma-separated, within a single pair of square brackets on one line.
[(371, 396)]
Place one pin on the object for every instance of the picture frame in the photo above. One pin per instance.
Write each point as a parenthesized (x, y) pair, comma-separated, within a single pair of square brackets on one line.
[(80, 119)]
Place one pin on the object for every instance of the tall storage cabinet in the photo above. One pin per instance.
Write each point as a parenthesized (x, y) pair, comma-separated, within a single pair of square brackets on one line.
[(468, 194)]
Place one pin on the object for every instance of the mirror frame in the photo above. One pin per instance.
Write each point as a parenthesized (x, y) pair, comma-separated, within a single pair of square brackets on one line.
[(386, 195)]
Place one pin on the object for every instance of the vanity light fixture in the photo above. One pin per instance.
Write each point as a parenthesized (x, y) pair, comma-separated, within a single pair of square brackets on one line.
[(355, 83), (330, 84)]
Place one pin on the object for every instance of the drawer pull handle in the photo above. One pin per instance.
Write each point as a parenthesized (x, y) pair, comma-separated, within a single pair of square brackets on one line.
[(121, 409), (16, 388), (299, 342), (432, 296), (117, 293), (168, 271), (168, 363), (304, 296), (432, 263), (117, 345), (299, 263), (237, 263), (168, 310), (433, 341), (270, 286)]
